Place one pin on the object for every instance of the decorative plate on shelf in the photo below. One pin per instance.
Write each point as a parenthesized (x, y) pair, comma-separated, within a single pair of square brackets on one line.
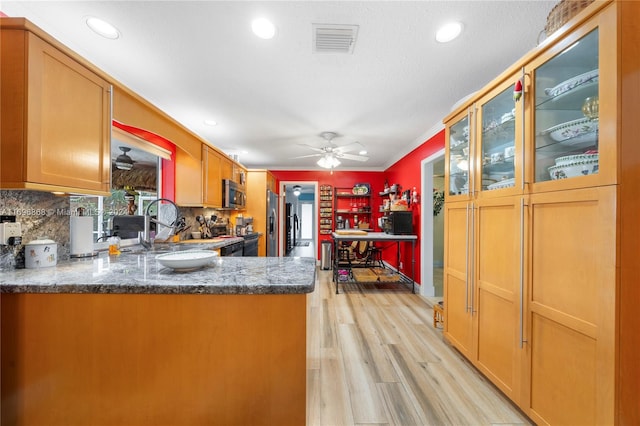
[(361, 189), (505, 183), (565, 86), (582, 130), (582, 168), (576, 158)]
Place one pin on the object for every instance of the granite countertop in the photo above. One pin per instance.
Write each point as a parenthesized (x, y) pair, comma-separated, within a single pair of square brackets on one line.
[(138, 272)]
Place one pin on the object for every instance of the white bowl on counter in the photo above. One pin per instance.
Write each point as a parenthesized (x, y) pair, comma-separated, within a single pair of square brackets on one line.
[(187, 260)]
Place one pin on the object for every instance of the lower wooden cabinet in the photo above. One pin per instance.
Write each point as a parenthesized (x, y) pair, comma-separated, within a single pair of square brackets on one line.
[(482, 287), (530, 290), (497, 310), (457, 283), (571, 307)]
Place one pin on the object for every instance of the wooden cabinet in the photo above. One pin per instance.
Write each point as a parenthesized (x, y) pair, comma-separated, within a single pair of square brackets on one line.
[(239, 175), (214, 168), (188, 179), (536, 236), (56, 118), (258, 183), (199, 180)]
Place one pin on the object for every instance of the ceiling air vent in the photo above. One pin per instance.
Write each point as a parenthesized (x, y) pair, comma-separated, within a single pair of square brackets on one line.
[(334, 38)]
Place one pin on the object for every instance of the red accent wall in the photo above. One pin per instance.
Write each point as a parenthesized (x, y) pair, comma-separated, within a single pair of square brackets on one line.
[(339, 179), (406, 172)]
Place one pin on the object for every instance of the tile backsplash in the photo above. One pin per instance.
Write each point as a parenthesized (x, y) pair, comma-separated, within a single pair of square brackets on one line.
[(41, 214)]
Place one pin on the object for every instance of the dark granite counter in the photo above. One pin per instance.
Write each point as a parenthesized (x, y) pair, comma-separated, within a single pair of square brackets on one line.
[(138, 273)]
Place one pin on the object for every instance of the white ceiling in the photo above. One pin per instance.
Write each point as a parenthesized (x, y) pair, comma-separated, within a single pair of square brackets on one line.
[(199, 60)]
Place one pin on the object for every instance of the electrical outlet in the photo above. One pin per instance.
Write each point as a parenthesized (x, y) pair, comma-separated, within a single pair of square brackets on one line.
[(401, 265), (8, 230)]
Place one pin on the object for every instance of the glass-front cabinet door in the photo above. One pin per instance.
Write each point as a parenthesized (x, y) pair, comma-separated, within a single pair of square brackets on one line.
[(499, 127), (566, 112), (458, 153)]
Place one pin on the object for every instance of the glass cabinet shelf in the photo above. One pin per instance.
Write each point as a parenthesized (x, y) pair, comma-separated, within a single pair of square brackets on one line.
[(497, 142), (566, 112), (459, 157)]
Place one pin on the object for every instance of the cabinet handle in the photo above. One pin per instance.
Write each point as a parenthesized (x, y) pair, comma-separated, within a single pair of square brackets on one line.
[(473, 258), (522, 339), (522, 128), (466, 264)]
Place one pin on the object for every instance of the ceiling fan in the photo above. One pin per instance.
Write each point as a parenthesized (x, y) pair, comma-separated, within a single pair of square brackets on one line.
[(331, 153)]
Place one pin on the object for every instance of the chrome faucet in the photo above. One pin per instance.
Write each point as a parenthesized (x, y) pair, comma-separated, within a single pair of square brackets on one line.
[(145, 238)]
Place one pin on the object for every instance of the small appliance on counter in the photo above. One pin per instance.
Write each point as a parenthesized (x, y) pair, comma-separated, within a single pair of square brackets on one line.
[(399, 223), (244, 225), (127, 226)]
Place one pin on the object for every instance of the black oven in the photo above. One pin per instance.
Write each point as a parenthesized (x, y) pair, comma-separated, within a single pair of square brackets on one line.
[(250, 244), (233, 249), (233, 196)]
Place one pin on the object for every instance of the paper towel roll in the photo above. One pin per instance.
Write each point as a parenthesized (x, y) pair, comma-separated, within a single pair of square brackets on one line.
[(81, 236)]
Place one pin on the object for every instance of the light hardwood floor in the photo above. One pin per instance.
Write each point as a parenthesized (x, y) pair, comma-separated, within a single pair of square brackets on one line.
[(373, 357)]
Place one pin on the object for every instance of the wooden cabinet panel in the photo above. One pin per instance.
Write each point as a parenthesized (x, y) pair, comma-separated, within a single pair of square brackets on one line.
[(226, 168), (258, 182), (212, 175), (497, 301), (457, 282), (84, 359), (189, 179), (65, 116), (563, 385), (572, 315)]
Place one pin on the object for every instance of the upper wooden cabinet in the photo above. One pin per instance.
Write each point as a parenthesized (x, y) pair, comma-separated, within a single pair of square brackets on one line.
[(56, 120), (215, 167), (188, 179), (199, 180), (540, 274)]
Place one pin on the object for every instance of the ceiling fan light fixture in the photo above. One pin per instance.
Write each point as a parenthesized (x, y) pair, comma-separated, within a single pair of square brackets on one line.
[(328, 162), (124, 162)]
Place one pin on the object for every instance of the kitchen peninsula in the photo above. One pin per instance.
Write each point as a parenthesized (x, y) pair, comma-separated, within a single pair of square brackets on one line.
[(123, 340)]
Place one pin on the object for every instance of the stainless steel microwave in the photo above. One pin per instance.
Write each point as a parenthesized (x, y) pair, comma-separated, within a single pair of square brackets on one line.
[(233, 196)]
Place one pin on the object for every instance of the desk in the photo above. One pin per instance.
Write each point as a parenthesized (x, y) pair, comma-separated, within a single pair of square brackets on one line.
[(376, 237)]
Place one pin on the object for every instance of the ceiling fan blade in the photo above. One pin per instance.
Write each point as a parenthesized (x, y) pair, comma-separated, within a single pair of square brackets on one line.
[(307, 156), (312, 147), (348, 148), (353, 157)]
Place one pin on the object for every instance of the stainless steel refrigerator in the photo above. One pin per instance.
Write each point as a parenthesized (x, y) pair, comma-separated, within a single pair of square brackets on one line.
[(272, 224)]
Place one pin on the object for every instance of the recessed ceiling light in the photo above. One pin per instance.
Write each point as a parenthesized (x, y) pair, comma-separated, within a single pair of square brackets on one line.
[(448, 32), (363, 152), (263, 28), (211, 122), (244, 151), (102, 28)]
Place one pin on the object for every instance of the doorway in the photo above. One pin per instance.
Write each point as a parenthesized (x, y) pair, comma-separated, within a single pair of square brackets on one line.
[(432, 241), (299, 223)]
